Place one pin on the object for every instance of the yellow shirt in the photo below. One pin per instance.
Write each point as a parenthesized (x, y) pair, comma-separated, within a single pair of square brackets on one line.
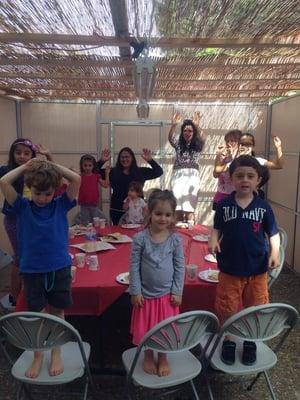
[(26, 192)]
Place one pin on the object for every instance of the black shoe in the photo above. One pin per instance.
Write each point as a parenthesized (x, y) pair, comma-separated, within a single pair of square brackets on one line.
[(249, 353), (12, 300), (228, 352)]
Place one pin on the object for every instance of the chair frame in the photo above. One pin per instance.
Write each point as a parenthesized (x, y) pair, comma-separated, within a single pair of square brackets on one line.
[(274, 272), (159, 340), (286, 319), (50, 331), (283, 237)]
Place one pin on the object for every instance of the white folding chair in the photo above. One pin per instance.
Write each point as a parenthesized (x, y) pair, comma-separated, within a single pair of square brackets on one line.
[(174, 336), (274, 272), (32, 331), (283, 237), (258, 324)]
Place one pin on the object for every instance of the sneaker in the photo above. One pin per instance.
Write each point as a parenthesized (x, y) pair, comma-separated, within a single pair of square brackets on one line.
[(249, 353), (228, 352)]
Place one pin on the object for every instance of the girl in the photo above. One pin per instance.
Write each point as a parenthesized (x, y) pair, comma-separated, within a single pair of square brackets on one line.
[(89, 195), (185, 181), (247, 145), (223, 159), (21, 151), (134, 204), (156, 274)]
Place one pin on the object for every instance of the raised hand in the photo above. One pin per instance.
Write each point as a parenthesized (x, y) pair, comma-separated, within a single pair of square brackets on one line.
[(147, 155), (40, 149), (196, 118), (105, 155), (176, 118), (276, 141)]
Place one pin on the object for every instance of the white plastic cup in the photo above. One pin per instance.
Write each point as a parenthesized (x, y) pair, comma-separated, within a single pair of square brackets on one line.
[(73, 273), (80, 260), (93, 263), (191, 271), (96, 221), (191, 224), (102, 223)]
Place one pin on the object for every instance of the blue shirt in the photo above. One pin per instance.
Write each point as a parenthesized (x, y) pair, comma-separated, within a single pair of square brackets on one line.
[(156, 269), (244, 250), (42, 234)]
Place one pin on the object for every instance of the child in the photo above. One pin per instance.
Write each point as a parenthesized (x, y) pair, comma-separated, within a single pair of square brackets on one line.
[(89, 195), (222, 161), (21, 150), (43, 249), (156, 274), (134, 204), (240, 224)]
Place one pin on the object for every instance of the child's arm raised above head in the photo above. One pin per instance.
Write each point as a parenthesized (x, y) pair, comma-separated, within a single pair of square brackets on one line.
[(105, 182), (72, 177), (278, 162), (6, 181), (40, 149)]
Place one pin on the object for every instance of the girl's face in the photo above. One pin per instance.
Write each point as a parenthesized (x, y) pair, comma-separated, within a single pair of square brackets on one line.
[(246, 146), (188, 133), (42, 197), (245, 180), (162, 216), (232, 145), (87, 167), (125, 159), (132, 194), (22, 154)]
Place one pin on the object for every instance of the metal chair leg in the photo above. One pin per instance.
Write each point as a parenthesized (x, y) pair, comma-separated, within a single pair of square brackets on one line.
[(194, 389), (270, 385), (254, 381)]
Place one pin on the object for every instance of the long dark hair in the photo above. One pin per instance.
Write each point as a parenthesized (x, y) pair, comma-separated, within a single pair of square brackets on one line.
[(88, 157), (133, 167), (11, 155), (196, 143)]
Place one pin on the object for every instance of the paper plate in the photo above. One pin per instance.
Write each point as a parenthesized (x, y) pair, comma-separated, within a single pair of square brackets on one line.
[(123, 278), (121, 239), (92, 247), (209, 275), (201, 238), (210, 258), (131, 226)]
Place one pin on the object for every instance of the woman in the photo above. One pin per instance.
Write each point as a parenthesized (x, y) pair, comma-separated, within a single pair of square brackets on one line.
[(185, 182), (126, 171)]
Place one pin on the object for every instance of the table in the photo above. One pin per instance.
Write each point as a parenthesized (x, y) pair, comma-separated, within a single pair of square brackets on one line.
[(94, 291)]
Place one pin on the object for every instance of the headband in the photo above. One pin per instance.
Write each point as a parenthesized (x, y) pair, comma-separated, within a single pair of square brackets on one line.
[(26, 142)]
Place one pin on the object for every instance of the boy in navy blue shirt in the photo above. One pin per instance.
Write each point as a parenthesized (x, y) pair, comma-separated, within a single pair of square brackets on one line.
[(241, 223), (42, 229)]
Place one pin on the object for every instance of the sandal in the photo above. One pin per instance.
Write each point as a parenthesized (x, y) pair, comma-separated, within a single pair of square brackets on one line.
[(249, 353), (228, 352)]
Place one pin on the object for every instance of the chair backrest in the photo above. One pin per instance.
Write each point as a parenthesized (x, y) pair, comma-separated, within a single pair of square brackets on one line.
[(37, 331), (261, 322), (181, 332), (283, 237), (274, 272)]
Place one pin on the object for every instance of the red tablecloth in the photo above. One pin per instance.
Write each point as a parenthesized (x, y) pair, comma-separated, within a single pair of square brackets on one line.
[(94, 291)]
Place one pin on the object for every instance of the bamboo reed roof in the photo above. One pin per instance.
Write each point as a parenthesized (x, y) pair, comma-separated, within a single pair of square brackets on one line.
[(229, 50)]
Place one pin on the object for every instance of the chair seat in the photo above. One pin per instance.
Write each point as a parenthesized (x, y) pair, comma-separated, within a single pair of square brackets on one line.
[(265, 359), (184, 367), (6, 304), (73, 365)]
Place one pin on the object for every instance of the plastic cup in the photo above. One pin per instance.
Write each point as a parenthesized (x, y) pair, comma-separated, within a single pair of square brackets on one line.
[(191, 224), (191, 271), (93, 263), (73, 273), (80, 259), (102, 223), (96, 221)]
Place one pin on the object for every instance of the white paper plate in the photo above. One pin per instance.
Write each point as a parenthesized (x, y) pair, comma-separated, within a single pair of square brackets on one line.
[(92, 247), (209, 275), (131, 226), (123, 278), (210, 258), (71, 255), (201, 238), (122, 239)]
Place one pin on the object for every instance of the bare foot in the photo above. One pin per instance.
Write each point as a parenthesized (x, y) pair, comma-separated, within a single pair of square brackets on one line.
[(56, 364), (163, 368), (35, 368), (149, 364)]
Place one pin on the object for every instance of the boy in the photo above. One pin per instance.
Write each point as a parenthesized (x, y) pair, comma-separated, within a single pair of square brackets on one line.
[(42, 230), (240, 224)]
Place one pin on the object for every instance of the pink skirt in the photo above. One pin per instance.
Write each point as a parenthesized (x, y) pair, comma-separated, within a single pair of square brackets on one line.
[(154, 311)]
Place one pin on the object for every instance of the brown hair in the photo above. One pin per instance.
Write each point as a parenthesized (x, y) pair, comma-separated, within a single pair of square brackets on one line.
[(136, 187), (158, 195), (42, 176)]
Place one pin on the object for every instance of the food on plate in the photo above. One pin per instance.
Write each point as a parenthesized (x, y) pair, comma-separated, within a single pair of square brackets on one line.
[(90, 247), (114, 235), (213, 275)]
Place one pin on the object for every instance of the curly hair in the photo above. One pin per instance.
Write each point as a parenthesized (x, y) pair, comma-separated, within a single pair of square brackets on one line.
[(196, 143), (43, 175)]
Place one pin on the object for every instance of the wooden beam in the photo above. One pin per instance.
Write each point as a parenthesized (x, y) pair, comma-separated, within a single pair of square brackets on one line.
[(162, 42)]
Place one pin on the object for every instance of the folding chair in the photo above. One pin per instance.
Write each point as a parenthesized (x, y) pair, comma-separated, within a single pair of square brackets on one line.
[(283, 237), (175, 336), (258, 324), (32, 331), (274, 273), (5, 261)]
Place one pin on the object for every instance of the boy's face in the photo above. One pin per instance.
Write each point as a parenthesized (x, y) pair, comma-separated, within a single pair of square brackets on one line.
[(245, 180), (42, 197)]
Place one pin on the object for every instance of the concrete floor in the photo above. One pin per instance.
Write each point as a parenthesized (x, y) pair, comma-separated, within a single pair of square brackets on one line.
[(115, 322)]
